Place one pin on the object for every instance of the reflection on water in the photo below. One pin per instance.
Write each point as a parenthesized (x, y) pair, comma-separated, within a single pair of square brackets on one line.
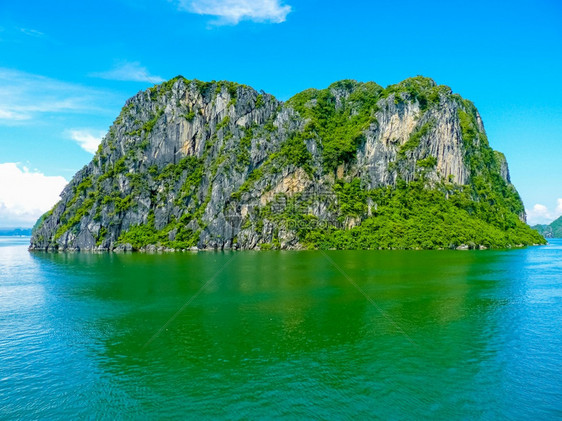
[(450, 334)]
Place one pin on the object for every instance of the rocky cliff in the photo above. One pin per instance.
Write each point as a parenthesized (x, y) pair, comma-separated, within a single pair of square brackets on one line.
[(218, 165)]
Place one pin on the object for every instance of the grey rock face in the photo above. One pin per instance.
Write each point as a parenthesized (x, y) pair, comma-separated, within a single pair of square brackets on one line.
[(503, 168), (192, 165), (396, 125)]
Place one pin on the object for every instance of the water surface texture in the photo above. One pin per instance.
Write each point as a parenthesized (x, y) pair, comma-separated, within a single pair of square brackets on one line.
[(341, 334)]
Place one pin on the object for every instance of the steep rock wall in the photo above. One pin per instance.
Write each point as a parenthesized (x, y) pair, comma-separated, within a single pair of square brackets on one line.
[(194, 164)]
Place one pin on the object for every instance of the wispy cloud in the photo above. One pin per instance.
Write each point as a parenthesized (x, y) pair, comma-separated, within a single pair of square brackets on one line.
[(24, 96), (27, 195), (541, 214), (11, 115), (88, 139), (129, 71), (32, 32), (231, 12)]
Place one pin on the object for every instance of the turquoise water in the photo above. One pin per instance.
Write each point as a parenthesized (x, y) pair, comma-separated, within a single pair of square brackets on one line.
[(338, 335)]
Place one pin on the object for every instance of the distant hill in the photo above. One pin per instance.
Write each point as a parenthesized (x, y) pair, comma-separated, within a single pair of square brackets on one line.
[(554, 230), (14, 231)]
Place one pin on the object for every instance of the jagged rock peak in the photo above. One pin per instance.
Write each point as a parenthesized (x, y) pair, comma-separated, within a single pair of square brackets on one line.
[(220, 165)]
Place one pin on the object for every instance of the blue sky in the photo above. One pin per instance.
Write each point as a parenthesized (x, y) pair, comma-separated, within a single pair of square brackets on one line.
[(66, 69)]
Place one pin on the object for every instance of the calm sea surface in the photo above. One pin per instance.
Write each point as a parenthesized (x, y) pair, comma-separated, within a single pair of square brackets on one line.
[(340, 335)]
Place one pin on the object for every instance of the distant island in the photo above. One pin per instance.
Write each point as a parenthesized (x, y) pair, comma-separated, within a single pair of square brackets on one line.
[(552, 230), (15, 232), (217, 165)]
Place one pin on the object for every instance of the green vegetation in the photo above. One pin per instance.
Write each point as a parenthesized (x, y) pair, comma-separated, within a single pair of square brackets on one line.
[(149, 125), (411, 216), (493, 196), (224, 123), (190, 116), (173, 172), (428, 162), (293, 152), (420, 89), (338, 116), (423, 213), (164, 87), (232, 89), (91, 195), (101, 236), (140, 236), (193, 168), (351, 198), (243, 150), (414, 141), (184, 177), (553, 230), (203, 87), (468, 128), (77, 216)]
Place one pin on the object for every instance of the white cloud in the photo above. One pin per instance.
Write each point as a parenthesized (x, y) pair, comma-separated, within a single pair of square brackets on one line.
[(129, 71), (231, 12), (25, 96), (88, 139), (32, 32), (26, 195), (541, 214), (559, 206), (11, 115)]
